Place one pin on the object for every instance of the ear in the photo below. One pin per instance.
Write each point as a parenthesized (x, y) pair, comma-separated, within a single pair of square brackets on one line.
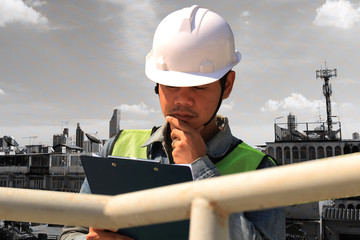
[(229, 84)]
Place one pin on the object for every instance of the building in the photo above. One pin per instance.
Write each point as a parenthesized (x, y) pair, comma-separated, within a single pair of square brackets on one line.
[(294, 142), (47, 171), (92, 147), (8, 145), (114, 124), (62, 138), (79, 136), (37, 148), (298, 142), (2, 144), (55, 168)]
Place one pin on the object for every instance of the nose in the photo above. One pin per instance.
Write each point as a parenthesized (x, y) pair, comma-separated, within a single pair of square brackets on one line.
[(184, 97)]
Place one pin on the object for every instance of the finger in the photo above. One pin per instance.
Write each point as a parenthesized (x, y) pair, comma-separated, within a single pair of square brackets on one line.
[(173, 143), (98, 233), (101, 229), (174, 122), (177, 134)]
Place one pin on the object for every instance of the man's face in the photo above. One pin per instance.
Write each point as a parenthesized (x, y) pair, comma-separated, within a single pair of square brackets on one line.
[(193, 105)]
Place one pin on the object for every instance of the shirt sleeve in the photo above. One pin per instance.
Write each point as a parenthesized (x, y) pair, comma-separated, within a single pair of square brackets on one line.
[(265, 224), (203, 168)]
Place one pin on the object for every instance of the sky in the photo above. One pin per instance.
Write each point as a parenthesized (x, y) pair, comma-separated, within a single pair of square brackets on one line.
[(67, 62)]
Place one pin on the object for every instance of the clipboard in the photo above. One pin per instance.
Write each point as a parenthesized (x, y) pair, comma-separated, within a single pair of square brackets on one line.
[(118, 175)]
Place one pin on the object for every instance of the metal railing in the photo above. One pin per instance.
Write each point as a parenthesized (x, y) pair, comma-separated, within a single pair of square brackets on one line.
[(207, 203)]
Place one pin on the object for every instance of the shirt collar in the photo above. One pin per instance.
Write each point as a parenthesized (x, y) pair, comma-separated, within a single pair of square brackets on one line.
[(158, 135), (221, 142)]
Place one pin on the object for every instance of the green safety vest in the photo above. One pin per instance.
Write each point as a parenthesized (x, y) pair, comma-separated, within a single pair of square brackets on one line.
[(241, 159)]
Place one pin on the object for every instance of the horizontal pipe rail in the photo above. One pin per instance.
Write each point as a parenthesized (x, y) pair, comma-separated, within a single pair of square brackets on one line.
[(285, 185)]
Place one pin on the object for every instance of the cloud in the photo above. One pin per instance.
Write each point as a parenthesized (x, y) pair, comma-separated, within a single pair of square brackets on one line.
[(337, 13), (294, 102), (114, 1), (141, 109), (246, 13), (34, 3), (2, 92), (347, 106), (347, 81), (17, 11), (227, 107)]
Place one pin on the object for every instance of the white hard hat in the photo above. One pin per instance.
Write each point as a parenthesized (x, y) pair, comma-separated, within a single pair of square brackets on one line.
[(191, 47)]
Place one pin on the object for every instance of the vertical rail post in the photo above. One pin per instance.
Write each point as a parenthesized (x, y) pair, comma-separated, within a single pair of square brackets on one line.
[(207, 221)]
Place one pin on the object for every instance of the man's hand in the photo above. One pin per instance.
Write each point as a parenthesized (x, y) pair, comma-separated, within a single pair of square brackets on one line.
[(96, 234), (188, 144)]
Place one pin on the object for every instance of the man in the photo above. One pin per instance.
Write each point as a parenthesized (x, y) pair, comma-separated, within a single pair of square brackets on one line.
[(191, 63)]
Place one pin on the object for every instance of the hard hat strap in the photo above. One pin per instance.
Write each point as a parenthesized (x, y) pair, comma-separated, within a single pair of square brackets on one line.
[(222, 84)]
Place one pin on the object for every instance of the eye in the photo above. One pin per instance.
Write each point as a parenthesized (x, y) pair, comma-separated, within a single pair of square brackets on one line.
[(199, 88), (171, 88)]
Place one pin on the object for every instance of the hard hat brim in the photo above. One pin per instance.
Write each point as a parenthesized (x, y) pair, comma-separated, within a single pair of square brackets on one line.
[(184, 79)]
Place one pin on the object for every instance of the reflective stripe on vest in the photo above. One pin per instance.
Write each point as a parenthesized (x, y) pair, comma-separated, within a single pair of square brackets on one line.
[(243, 158)]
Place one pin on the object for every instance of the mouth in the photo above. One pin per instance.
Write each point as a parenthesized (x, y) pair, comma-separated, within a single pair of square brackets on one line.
[(185, 117)]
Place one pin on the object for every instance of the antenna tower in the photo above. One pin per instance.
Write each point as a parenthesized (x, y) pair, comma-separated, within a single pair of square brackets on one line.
[(326, 74)]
